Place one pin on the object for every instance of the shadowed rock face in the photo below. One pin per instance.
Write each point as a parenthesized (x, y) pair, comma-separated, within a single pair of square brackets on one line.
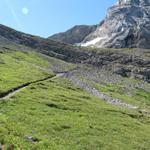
[(74, 35), (42, 45), (127, 25)]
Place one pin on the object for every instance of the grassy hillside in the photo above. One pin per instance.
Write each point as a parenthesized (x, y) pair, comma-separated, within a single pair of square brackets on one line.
[(56, 115), (20, 67)]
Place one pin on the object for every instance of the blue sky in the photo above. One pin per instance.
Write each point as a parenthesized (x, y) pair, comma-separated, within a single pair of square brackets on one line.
[(46, 17)]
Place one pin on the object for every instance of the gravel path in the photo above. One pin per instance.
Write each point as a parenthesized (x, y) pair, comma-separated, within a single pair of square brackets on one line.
[(85, 86), (76, 81), (79, 83)]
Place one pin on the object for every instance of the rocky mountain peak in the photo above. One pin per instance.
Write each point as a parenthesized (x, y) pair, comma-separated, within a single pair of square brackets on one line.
[(133, 2), (127, 25)]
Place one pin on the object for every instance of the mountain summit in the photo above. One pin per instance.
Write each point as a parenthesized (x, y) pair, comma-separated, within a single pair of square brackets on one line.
[(126, 25), (75, 34), (133, 2)]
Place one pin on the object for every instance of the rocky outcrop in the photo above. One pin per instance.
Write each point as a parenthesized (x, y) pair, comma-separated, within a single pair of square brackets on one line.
[(125, 64), (74, 35), (127, 25)]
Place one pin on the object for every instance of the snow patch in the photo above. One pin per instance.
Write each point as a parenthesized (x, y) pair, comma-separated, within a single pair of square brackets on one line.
[(93, 42)]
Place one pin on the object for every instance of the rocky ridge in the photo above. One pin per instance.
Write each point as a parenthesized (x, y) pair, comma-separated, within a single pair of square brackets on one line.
[(127, 25)]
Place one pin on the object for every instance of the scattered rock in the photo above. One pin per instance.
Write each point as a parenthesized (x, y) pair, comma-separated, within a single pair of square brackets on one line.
[(32, 139), (66, 126), (123, 72)]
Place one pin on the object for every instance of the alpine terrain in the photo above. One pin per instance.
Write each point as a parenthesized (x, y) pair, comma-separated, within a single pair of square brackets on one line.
[(127, 24), (84, 89)]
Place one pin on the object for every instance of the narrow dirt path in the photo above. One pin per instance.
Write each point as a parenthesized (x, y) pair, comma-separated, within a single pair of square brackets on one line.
[(13, 93), (77, 82), (8, 94)]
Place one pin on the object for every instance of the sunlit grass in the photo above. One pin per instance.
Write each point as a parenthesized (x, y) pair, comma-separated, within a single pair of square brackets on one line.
[(20, 67), (55, 115)]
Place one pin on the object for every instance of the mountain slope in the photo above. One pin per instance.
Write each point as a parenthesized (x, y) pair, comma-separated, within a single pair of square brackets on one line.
[(74, 35), (56, 96), (42, 45), (56, 114)]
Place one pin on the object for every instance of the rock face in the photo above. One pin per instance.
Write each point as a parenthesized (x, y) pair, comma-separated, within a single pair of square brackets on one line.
[(133, 2), (74, 35), (127, 25)]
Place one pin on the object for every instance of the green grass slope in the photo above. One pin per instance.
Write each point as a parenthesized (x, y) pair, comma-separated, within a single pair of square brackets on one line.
[(20, 67), (55, 115)]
